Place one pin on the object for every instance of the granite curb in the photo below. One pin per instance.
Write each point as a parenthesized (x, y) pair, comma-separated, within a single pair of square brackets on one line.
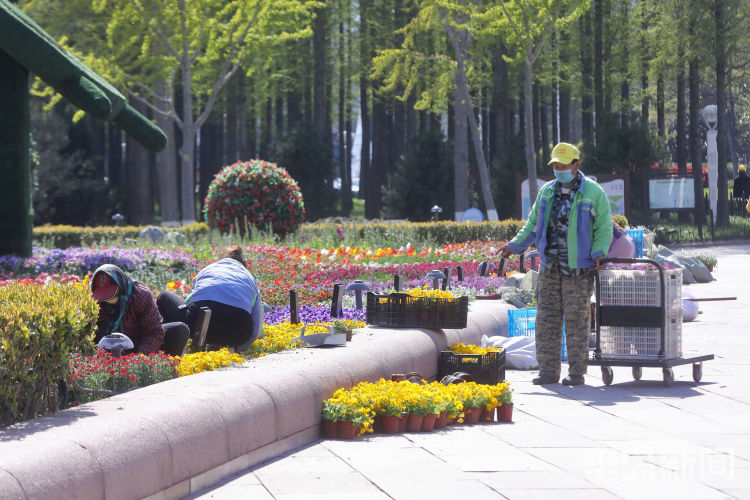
[(174, 438)]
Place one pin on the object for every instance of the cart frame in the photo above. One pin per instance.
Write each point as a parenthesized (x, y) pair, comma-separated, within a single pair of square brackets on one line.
[(639, 316)]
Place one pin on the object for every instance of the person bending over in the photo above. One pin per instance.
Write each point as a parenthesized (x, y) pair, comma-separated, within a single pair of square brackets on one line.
[(230, 291)]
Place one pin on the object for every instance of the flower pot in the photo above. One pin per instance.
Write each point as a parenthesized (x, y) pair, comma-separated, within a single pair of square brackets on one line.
[(505, 413), (377, 425), (330, 429), (347, 430), (428, 422), (710, 268), (390, 425), (349, 335), (398, 377), (442, 420), (414, 423), (487, 415), (471, 415)]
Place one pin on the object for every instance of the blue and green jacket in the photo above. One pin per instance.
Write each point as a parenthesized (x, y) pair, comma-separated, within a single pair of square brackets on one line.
[(589, 225)]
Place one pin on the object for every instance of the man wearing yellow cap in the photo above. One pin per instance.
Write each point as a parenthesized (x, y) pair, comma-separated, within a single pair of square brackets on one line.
[(571, 226), (742, 183)]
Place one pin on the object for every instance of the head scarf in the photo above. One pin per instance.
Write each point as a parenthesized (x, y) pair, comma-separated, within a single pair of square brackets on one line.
[(124, 290)]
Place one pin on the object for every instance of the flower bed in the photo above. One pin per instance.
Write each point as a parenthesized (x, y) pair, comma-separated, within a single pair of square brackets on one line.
[(312, 272)]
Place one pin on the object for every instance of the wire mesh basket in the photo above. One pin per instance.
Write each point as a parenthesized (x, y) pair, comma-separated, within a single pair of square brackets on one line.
[(630, 342), (626, 287)]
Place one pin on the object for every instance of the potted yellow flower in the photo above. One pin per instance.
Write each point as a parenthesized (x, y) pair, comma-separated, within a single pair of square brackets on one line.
[(505, 411)]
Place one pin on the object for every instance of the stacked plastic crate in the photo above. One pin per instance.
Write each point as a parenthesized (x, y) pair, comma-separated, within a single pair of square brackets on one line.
[(642, 287), (522, 322)]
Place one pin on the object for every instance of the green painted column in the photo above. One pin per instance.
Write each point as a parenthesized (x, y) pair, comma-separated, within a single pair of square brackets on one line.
[(16, 213)]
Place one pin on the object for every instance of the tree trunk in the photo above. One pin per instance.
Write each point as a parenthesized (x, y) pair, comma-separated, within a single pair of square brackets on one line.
[(364, 82), (381, 137), (460, 154), (543, 125), (529, 127), (231, 153), (660, 124), (696, 143), (243, 147), (210, 156), (140, 203), (187, 151), (644, 72), (587, 118), (461, 43), (681, 126), (598, 66), (342, 126), (166, 167), (624, 84), (722, 207), (564, 120), (16, 210), (320, 118)]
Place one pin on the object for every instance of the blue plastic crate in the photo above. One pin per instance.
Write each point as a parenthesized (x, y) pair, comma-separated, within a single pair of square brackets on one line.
[(637, 236), (522, 322)]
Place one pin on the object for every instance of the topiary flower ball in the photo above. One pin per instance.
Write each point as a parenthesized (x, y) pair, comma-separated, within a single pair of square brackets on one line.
[(256, 193)]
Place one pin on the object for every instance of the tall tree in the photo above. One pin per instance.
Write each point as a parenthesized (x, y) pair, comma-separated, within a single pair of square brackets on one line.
[(530, 23), (197, 47)]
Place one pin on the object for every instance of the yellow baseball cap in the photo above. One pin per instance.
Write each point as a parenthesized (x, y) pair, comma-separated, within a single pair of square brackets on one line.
[(741, 168), (564, 153)]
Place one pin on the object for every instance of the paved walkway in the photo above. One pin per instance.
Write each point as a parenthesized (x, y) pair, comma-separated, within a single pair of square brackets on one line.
[(633, 439)]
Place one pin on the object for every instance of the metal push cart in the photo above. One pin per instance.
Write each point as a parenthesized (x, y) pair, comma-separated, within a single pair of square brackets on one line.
[(639, 320)]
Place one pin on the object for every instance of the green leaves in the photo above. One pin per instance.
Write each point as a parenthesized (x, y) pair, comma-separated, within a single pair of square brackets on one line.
[(39, 326)]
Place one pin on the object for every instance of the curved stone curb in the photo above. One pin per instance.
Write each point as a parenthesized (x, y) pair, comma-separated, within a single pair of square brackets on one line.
[(174, 438)]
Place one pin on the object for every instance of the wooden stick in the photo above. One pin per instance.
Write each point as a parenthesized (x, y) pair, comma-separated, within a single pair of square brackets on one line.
[(712, 299)]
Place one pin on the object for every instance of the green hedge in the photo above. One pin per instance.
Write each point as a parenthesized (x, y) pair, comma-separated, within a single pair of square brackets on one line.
[(76, 236), (40, 325), (442, 233)]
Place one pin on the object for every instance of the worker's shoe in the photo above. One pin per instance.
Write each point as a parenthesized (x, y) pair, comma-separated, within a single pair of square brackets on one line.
[(544, 380), (573, 380)]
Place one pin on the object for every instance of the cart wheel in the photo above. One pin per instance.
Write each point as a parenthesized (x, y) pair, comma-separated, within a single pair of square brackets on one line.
[(637, 372), (697, 371), (668, 376), (607, 375)]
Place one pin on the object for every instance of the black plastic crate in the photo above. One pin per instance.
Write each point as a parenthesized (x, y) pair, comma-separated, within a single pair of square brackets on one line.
[(484, 368), (404, 310)]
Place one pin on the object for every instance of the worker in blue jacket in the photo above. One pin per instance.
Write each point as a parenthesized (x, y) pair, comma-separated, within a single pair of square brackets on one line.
[(571, 226), (231, 292)]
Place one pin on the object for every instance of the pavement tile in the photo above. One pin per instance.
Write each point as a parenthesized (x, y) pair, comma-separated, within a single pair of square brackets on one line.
[(311, 476), (718, 471), (662, 446), (236, 492), (546, 480), (571, 494), (738, 493), (413, 486)]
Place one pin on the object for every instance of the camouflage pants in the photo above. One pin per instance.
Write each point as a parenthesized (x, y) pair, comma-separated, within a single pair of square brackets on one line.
[(556, 295)]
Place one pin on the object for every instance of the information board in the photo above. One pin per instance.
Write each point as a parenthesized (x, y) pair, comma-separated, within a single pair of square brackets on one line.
[(671, 193)]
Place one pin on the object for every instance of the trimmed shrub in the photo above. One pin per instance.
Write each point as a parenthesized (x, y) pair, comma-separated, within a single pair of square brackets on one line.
[(440, 233), (254, 193), (63, 236), (39, 327)]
